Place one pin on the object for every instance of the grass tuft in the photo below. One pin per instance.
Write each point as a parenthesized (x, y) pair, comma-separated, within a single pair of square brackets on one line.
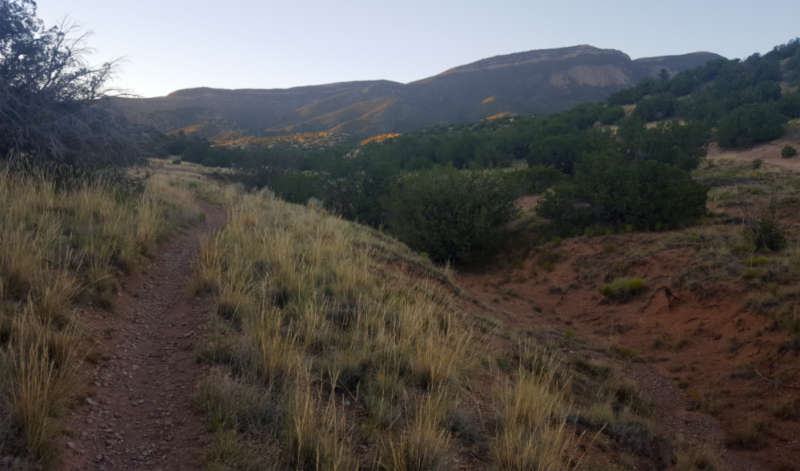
[(61, 245), (532, 430), (623, 289)]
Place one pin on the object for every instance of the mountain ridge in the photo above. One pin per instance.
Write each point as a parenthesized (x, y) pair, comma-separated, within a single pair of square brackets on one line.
[(528, 82), (531, 56)]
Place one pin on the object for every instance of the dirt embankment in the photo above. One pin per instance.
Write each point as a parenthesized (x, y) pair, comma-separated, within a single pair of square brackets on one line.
[(714, 371)]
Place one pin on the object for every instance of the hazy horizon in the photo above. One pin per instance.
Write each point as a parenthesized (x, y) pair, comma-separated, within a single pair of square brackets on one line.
[(247, 44)]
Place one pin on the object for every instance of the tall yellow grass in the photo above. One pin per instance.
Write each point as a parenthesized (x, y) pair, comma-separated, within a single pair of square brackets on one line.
[(533, 434), (59, 246), (362, 365)]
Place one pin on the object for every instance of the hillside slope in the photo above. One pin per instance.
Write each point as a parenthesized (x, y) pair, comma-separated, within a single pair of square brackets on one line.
[(540, 81), (716, 320)]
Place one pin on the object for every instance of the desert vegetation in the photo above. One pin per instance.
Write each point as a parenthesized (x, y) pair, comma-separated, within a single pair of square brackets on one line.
[(766, 246), (63, 247), (328, 355), (503, 160), (651, 149), (449, 213), (332, 345), (50, 97), (743, 99), (721, 290), (72, 220), (622, 289)]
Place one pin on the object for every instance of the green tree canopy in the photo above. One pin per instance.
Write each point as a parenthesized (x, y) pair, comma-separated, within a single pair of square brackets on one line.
[(611, 191), (450, 214)]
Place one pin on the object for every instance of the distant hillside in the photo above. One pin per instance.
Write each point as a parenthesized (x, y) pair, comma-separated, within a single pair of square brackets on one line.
[(533, 82), (746, 102)]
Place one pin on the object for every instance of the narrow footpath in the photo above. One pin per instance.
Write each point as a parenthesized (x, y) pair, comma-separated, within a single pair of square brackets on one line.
[(137, 411)]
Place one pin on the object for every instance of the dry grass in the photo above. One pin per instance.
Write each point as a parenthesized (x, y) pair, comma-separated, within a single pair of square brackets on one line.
[(721, 253), (533, 433), (727, 253), (60, 246), (361, 362), (702, 458), (622, 289)]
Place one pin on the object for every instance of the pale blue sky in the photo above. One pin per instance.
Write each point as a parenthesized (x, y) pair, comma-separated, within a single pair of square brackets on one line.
[(173, 44)]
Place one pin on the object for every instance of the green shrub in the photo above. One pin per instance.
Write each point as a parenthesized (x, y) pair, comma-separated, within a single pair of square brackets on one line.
[(450, 214), (532, 180), (750, 124), (623, 289), (609, 191), (790, 105), (788, 152), (656, 107), (298, 187), (766, 233), (561, 151), (612, 115), (680, 144)]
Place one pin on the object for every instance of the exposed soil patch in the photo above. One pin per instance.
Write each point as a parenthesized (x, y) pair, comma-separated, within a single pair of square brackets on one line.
[(528, 203), (769, 152), (136, 411), (715, 372)]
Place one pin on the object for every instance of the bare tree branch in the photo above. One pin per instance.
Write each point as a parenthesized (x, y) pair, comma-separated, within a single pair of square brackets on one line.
[(49, 95)]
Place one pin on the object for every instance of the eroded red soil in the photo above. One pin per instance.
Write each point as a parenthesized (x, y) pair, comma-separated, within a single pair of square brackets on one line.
[(715, 372)]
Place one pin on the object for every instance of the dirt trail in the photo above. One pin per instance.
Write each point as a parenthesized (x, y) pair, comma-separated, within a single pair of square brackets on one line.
[(137, 412)]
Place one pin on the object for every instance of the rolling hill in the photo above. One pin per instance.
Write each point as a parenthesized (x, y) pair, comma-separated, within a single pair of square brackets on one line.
[(533, 82)]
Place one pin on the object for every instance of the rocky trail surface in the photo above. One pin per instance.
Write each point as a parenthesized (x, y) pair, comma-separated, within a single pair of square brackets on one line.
[(137, 410)]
